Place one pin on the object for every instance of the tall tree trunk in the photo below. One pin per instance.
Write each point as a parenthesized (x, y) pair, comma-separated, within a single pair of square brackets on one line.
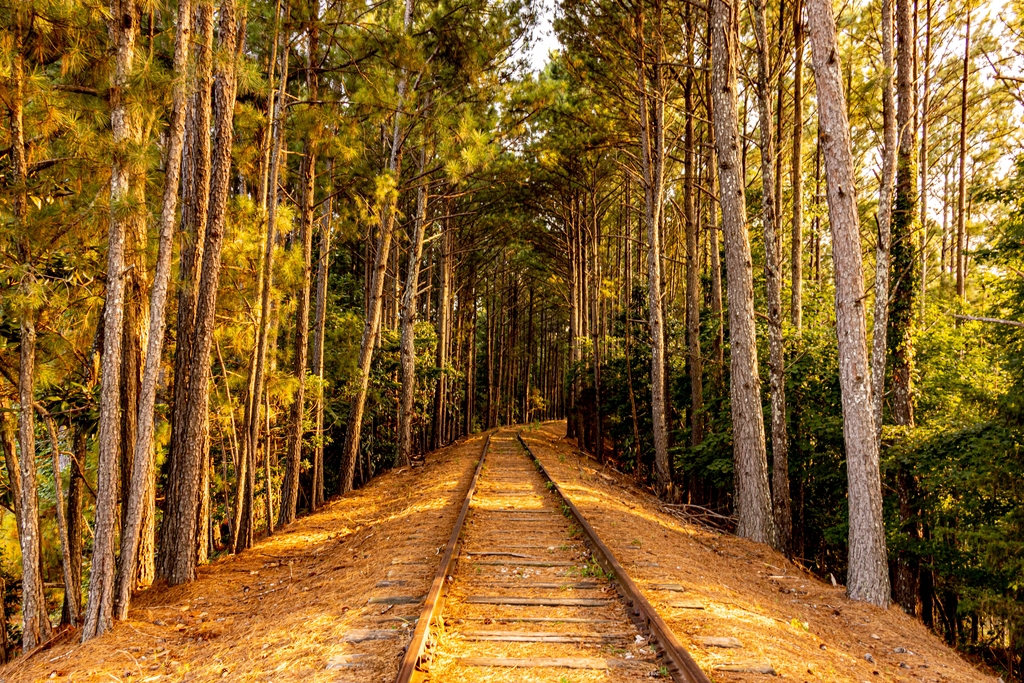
[(408, 343), (320, 324), (652, 153), (905, 276), (444, 300), (717, 308), (781, 505), (123, 29), (868, 577), (695, 362), (141, 491), (371, 327), (796, 304), (882, 251), (184, 527), (925, 106), (245, 494), (753, 498), (961, 200), (307, 176)]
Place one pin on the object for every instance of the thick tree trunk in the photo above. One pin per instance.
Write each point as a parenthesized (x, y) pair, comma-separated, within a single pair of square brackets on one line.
[(123, 29), (408, 323), (923, 161), (773, 285), (307, 175), (139, 522), (868, 577), (184, 527), (444, 302), (753, 498)]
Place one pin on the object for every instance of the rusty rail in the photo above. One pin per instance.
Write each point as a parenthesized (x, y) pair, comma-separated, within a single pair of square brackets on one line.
[(434, 602), (682, 667)]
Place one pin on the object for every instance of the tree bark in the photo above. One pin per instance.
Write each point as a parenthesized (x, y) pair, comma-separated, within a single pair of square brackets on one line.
[(76, 484), (961, 200), (243, 527), (141, 491), (72, 591), (781, 505), (796, 304), (320, 323), (184, 524), (123, 29), (695, 362), (290, 488), (753, 499), (905, 275), (882, 251), (868, 577), (652, 153)]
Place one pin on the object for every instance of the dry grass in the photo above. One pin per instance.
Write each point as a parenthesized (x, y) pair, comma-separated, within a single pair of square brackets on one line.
[(805, 628), (279, 611)]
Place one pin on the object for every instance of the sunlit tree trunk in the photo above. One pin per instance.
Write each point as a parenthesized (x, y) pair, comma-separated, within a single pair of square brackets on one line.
[(868, 577), (753, 498), (123, 29)]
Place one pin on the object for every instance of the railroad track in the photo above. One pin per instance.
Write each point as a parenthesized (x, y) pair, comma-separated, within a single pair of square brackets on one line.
[(526, 590)]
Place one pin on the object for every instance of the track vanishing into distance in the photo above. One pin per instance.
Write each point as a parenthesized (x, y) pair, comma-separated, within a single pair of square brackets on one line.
[(526, 591)]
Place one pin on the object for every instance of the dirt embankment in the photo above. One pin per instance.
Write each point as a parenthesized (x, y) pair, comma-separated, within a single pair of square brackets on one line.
[(287, 609), (778, 614)]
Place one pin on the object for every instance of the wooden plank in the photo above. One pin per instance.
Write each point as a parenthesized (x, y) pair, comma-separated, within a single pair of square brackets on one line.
[(396, 600), (543, 636), (527, 563), (489, 553), (532, 662), (718, 641), (361, 635), (584, 585), (686, 604), (747, 668), (536, 602), (666, 587), (542, 620)]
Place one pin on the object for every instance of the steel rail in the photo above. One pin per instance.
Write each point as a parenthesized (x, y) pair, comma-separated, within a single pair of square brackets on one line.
[(434, 602), (683, 668)]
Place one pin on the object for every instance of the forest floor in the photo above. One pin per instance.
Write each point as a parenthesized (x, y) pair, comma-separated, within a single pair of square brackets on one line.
[(803, 628), (292, 607)]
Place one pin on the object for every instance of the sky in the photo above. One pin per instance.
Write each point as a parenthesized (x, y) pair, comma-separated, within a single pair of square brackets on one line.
[(544, 39)]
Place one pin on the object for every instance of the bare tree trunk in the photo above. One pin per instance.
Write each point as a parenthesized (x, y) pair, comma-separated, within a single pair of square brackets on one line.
[(72, 591), (753, 498), (961, 201), (652, 153), (444, 300), (184, 526), (868, 577), (717, 308), (290, 494), (408, 351), (8, 439), (371, 328), (773, 285), (322, 269), (75, 522), (796, 305), (245, 492), (882, 252), (142, 485), (123, 29), (695, 362), (925, 106)]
